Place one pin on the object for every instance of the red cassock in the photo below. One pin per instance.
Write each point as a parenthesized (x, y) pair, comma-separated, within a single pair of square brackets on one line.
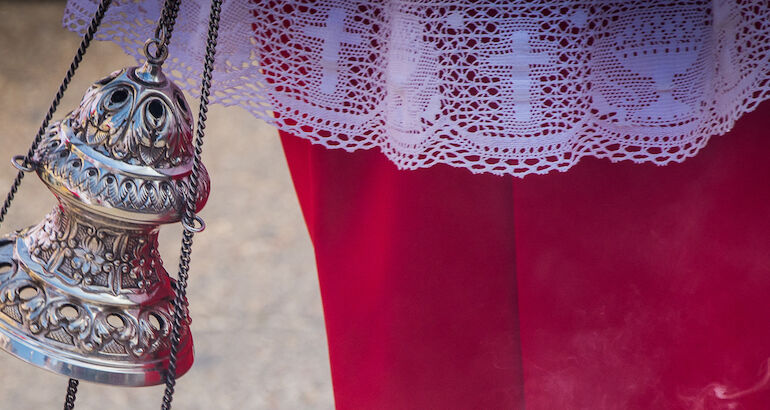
[(610, 286)]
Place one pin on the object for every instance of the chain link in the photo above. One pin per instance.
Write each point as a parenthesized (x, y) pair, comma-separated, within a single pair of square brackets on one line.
[(167, 20), (189, 219), (72, 391)]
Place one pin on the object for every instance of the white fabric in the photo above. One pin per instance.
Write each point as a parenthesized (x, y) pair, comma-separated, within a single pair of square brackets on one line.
[(502, 87)]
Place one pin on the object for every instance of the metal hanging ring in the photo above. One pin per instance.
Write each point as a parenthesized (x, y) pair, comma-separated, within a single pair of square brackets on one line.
[(20, 162), (161, 51), (198, 224)]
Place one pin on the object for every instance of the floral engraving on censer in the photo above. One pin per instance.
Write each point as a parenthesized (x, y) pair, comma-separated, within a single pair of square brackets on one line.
[(80, 325), (97, 259)]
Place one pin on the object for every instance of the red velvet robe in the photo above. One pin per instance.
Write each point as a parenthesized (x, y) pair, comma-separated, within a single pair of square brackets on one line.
[(610, 286)]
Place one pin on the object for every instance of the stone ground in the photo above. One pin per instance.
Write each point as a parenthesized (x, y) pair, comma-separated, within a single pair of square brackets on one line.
[(256, 308)]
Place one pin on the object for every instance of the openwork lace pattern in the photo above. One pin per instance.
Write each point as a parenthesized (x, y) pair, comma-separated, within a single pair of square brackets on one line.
[(506, 87)]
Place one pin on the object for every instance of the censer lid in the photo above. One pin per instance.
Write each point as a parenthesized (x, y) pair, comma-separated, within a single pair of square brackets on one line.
[(136, 115), (126, 152)]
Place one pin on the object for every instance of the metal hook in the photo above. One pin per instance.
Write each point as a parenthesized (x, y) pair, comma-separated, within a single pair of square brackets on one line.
[(19, 161), (198, 226)]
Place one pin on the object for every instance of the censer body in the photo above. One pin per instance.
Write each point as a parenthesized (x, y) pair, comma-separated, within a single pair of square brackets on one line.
[(84, 292)]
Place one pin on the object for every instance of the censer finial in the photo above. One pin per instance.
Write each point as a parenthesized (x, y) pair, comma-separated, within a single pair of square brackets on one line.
[(84, 293)]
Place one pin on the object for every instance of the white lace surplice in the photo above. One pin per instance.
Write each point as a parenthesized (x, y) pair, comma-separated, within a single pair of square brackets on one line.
[(501, 87)]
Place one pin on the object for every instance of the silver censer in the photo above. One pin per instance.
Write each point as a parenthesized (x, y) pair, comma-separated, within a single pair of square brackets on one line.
[(84, 293)]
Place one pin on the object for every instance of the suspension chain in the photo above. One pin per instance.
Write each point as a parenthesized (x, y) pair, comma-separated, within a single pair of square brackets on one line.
[(167, 20), (26, 164), (163, 32), (191, 222), (72, 391)]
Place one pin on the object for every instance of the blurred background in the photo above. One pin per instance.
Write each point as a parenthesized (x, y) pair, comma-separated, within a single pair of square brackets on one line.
[(254, 299)]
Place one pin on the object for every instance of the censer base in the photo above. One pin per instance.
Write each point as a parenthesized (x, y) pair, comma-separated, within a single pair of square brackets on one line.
[(118, 374), (96, 342)]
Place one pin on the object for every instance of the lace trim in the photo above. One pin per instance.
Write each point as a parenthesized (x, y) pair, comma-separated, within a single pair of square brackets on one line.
[(498, 87)]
